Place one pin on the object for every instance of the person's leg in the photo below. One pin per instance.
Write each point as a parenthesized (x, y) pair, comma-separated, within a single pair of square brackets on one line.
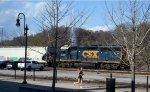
[(81, 82), (77, 82)]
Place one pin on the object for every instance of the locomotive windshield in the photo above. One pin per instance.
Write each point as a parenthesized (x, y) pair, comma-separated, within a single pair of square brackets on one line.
[(63, 54), (73, 53)]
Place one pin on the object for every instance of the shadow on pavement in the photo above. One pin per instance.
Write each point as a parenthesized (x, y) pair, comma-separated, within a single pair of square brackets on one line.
[(6, 86)]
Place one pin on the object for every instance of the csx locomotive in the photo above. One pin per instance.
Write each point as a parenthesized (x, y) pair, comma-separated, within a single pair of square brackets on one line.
[(104, 57)]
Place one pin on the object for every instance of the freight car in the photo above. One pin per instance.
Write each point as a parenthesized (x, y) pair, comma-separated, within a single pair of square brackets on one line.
[(104, 57)]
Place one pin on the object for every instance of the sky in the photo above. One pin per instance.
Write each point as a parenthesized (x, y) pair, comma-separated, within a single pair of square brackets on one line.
[(9, 10), (32, 9)]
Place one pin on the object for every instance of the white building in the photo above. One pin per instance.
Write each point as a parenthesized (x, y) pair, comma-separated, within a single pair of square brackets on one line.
[(15, 53)]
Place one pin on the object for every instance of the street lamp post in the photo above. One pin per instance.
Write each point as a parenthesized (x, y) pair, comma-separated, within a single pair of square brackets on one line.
[(26, 35), (1, 33)]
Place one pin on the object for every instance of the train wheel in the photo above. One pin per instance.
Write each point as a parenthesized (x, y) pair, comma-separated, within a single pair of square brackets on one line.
[(64, 65), (97, 66), (122, 67), (59, 65), (102, 66), (72, 65), (67, 65), (107, 66), (114, 66)]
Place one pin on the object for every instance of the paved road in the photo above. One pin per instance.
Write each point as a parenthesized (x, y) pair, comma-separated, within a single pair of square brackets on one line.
[(89, 76)]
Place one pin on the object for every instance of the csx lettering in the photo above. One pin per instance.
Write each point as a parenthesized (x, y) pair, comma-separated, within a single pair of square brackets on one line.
[(90, 54)]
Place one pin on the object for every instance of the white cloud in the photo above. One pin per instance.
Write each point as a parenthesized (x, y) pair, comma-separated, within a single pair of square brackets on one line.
[(103, 28), (30, 32), (2, 1), (1, 26), (34, 9), (9, 11)]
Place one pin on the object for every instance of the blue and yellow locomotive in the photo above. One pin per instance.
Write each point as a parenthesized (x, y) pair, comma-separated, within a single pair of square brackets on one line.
[(104, 57)]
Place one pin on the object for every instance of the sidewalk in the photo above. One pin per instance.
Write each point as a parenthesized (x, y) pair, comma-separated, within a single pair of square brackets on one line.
[(9, 84), (88, 76)]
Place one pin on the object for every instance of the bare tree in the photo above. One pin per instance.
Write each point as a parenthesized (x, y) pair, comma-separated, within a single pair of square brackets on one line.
[(56, 15), (132, 34), (67, 18), (146, 57)]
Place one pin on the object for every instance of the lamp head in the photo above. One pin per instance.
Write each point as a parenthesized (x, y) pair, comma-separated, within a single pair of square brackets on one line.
[(18, 22)]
